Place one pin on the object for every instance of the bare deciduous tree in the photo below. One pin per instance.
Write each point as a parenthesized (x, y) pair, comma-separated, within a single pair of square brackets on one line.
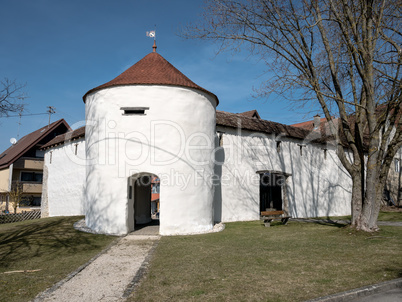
[(346, 55), (16, 194), (11, 97)]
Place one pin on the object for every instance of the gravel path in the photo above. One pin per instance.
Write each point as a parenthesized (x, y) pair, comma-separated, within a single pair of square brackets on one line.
[(110, 277), (113, 274)]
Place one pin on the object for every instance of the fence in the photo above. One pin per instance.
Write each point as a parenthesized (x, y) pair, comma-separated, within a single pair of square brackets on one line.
[(9, 218)]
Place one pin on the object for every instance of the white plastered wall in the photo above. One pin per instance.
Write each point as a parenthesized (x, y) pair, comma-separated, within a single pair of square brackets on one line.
[(4, 180), (174, 140), (318, 186), (64, 179)]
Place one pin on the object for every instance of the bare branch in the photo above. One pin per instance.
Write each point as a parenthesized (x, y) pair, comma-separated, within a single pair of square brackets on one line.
[(11, 97), (344, 55)]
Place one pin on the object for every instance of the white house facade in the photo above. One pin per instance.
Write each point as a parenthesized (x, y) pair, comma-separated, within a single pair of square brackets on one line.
[(64, 175)]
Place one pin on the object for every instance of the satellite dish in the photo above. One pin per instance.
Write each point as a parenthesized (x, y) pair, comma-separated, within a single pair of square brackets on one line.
[(13, 140)]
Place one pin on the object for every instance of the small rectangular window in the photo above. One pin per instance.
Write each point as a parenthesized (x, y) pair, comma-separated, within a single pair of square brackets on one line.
[(134, 110), (31, 176), (30, 201), (40, 153)]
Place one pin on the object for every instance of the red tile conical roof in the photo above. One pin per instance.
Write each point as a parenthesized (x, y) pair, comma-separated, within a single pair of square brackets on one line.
[(153, 69)]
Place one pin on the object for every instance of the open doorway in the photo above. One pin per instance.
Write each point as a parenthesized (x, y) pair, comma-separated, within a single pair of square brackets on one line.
[(272, 191), (155, 192), (143, 201)]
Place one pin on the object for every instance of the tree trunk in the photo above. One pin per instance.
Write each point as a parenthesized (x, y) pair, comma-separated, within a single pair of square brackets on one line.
[(372, 198), (371, 209), (357, 199)]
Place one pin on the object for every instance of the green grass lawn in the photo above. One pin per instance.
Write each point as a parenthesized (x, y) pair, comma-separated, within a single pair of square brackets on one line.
[(249, 262), (50, 245), (383, 216), (390, 216)]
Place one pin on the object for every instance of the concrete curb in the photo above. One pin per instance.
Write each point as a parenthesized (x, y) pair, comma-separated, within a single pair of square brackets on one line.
[(361, 292), (50, 290)]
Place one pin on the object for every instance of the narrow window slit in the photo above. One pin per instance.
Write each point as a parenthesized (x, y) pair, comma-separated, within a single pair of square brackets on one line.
[(220, 138), (134, 110), (301, 149), (278, 146)]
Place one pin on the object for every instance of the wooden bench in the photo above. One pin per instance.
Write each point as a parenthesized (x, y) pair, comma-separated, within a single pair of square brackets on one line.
[(268, 216)]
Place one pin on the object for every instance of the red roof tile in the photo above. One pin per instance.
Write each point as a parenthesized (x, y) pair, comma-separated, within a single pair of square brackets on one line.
[(28, 141), (309, 125), (153, 69)]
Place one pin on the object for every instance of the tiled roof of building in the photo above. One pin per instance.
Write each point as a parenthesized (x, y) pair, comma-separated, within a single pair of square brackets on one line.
[(153, 69), (17, 150), (324, 130), (234, 120), (309, 125), (251, 113), (62, 138)]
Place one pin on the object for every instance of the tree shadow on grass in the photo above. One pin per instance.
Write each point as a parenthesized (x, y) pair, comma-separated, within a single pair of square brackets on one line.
[(333, 223), (41, 238), (326, 222)]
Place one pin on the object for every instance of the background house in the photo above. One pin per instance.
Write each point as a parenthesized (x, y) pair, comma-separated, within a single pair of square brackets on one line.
[(22, 164)]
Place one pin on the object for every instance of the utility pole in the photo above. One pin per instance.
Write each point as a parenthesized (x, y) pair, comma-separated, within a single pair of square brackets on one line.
[(50, 110), (19, 125)]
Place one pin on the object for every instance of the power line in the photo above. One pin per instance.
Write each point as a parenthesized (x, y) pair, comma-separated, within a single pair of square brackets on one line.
[(6, 116)]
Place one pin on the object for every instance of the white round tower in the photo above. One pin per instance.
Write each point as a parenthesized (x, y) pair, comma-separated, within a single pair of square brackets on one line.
[(150, 121)]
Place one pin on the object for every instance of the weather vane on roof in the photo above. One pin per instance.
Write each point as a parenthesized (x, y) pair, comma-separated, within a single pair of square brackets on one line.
[(152, 34)]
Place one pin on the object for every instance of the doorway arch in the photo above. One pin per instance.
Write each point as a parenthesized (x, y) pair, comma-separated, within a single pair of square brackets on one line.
[(142, 205)]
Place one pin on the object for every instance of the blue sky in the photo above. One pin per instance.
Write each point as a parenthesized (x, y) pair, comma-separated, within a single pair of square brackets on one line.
[(62, 49)]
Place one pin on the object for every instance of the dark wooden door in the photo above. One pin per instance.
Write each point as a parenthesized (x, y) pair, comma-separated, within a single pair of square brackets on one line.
[(270, 192)]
